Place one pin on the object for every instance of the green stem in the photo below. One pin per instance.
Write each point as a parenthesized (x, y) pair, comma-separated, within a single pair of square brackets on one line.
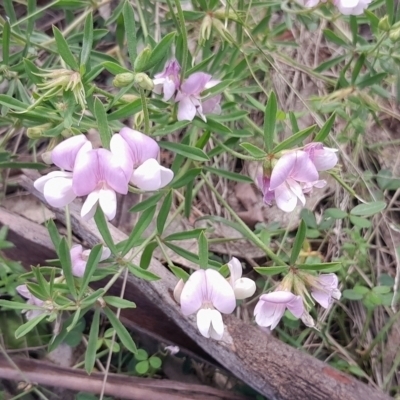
[(182, 28), (68, 225), (145, 112), (256, 240)]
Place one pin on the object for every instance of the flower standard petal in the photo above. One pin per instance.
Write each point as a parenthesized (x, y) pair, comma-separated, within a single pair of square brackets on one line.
[(219, 292), (142, 146), (109, 171), (282, 170), (64, 154), (108, 203), (203, 318), (322, 297), (58, 192), (195, 83), (86, 173), (121, 151), (304, 169), (191, 298), (105, 253)]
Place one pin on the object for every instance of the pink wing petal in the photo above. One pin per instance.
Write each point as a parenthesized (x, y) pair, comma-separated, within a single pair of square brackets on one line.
[(195, 83), (147, 176), (64, 154), (282, 170), (169, 89), (192, 293), (78, 264), (23, 291), (203, 319), (58, 192), (210, 106), (166, 176), (186, 109), (278, 297), (321, 297), (220, 292), (325, 159), (40, 182), (296, 306), (89, 206), (285, 199)]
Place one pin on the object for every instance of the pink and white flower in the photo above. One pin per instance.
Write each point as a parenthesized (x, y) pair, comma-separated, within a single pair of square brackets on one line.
[(190, 100), (79, 258), (100, 174), (242, 287), (145, 171), (352, 7), (291, 169), (271, 307), (57, 185), (208, 294), (325, 288), (323, 158), (264, 183), (167, 82), (32, 300)]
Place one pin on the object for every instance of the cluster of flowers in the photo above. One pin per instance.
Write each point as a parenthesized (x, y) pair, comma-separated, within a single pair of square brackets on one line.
[(79, 258), (295, 173), (188, 94), (100, 173), (346, 7)]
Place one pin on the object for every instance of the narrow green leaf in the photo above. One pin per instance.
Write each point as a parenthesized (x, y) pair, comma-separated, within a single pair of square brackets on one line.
[(140, 227), (179, 273), (324, 132), (29, 325), (357, 68), (121, 331), (186, 178), (90, 355), (254, 151), (330, 63), (26, 165), (114, 68), (269, 121), (6, 42), (75, 320), (102, 123), (130, 30), (360, 222), (335, 213), (147, 255), (87, 40), (188, 151), (167, 129), (193, 234), (142, 273), (369, 209), (12, 103), (332, 266), (298, 242), (271, 270), (91, 265), (13, 305), (65, 260), (212, 125), (203, 251), (117, 302), (293, 122), (233, 176), (217, 89), (294, 140), (160, 51), (390, 10), (163, 213), (333, 37), (149, 202), (102, 226), (354, 29), (64, 49)]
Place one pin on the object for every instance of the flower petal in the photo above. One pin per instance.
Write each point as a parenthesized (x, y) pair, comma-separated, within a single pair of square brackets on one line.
[(78, 264), (90, 204), (122, 153), (169, 89), (211, 105), (244, 288), (304, 169), (235, 268), (282, 170), (58, 192), (192, 293), (195, 83), (186, 109), (151, 176), (219, 292), (217, 325), (278, 297), (64, 154), (108, 203), (86, 173), (23, 291), (204, 317), (325, 159), (296, 306), (105, 253), (322, 297), (285, 199)]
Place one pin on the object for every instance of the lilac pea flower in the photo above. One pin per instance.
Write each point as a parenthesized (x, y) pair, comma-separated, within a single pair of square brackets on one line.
[(264, 183), (291, 168), (79, 258), (100, 174), (352, 7), (242, 287), (57, 185), (31, 299), (208, 294), (325, 288), (271, 307), (167, 82), (189, 97), (146, 173), (323, 158)]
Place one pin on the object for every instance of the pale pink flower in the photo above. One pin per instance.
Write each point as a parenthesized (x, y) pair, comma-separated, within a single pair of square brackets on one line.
[(167, 82), (352, 7), (79, 258), (31, 299), (291, 168), (100, 174), (242, 287), (190, 100), (145, 171), (264, 183), (271, 307), (208, 294), (323, 158), (57, 185), (325, 288)]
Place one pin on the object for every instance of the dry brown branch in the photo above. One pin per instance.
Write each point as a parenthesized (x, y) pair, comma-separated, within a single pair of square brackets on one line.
[(273, 368), (125, 387)]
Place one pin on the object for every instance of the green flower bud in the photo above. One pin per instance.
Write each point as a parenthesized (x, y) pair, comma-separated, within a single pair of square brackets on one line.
[(206, 27), (36, 132), (384, 24), (394, 35), (142, 59), (144, 81), (124, 79)]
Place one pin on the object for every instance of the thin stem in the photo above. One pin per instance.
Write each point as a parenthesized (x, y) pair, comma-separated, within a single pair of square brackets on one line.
[(256, 240), (145, 112), (68, 225), (183, 32)]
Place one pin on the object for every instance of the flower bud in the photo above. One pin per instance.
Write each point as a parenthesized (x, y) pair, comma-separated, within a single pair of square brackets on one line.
[(394, 35), (384, 24), (142, 59), (124, 79), (205, 29), (138, 119), (308, 320), (178, 291), (128, 98), (144, 81), (36, 132), (46, 157)]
